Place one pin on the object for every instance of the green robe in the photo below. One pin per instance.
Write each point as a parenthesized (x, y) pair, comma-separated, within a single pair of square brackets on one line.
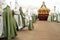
[(9, 24), (58, 18), (18, 19), (52, 17), (30, 27), (34, 18), (23, 16)]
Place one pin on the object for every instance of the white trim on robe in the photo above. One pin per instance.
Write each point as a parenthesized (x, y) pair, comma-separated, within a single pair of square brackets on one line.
[(16, 18), (1, 23)]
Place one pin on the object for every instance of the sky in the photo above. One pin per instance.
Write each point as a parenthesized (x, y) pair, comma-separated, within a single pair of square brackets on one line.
[(35, 3)]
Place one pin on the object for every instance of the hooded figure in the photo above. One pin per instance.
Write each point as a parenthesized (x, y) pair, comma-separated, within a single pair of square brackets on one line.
[(9, 23), (18, 19), (30, 27), (53, 16), (23, 17), (34, 15), (26, 18)]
